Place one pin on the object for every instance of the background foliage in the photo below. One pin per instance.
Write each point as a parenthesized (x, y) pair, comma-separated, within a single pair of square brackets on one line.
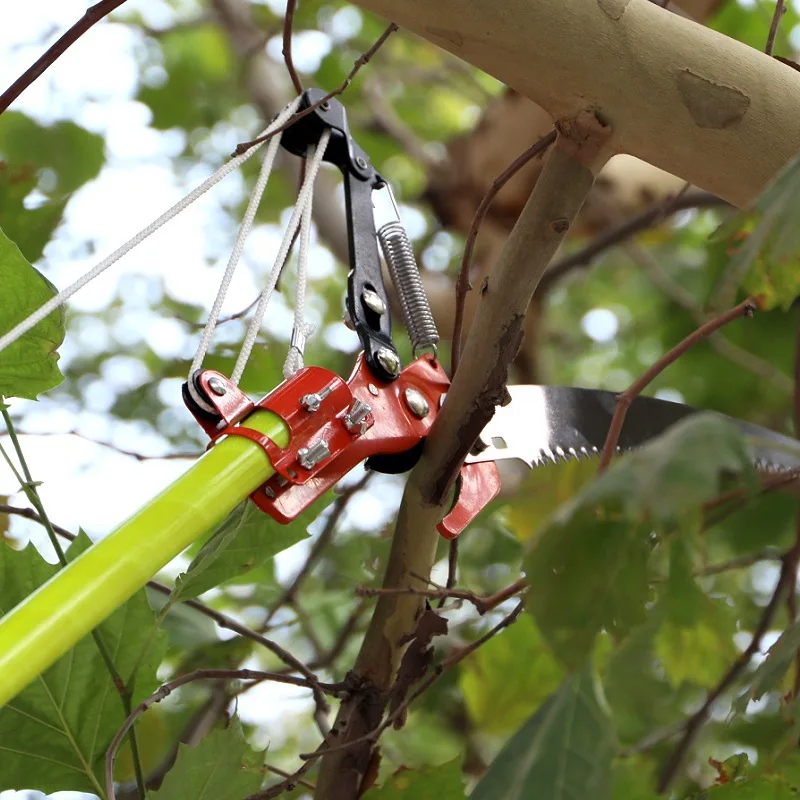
[(635, 613)]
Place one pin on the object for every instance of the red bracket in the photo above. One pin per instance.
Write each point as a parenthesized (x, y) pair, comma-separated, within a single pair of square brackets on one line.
[(334, 426)]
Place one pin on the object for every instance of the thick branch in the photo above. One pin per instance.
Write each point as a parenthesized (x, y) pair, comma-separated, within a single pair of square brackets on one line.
[(720, 102), (493, 341)]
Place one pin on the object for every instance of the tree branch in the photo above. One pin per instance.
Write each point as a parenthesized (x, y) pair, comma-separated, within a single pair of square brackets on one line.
[(92, 16), (463, 286), (288, 22), (494, 337), (624, 400), (780, 10)]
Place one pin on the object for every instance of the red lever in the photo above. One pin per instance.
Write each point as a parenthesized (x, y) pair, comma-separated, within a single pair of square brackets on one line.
[(333, 426)]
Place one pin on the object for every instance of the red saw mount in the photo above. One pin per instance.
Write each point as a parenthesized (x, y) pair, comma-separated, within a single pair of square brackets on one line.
[(335, 425)]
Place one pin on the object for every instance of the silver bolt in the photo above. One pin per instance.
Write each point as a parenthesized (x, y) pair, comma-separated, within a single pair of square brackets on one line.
[(355, 419), (372, 300), (373, 389), (312, 402), (217, 385), (389, 360), (325, 106), (310, 456), (269, 492), (417, 403), (361, 162)]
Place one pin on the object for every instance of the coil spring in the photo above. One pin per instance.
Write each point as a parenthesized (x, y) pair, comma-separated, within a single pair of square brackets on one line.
[(407, 281)]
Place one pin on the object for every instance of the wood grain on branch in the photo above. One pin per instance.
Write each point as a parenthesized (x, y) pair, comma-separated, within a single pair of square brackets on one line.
[(720, 102)]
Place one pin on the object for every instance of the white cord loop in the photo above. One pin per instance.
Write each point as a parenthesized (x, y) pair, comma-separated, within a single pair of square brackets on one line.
[(303, 199), (56, 302)]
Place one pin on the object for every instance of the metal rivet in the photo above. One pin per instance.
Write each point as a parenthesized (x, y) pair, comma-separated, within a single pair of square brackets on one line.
[(373, 389), (326, 106), (389, 360), (217, 385), (417, 403), (269, 492), (361, 163), (373, 301)]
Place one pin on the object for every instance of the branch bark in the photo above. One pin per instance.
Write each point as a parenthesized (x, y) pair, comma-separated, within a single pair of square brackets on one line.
[(493, 341), (719, 101)]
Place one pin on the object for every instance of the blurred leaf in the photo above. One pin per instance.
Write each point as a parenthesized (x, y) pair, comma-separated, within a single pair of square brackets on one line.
[(589, 564), (71, 154), (508, 678), (778, 781), (200, 87), (564, 751), (771, 670), (30, 228), (429, 783), (59, 728), (766, 240), (633, 779), (695, 642), (545, 490), (29, 365), (221, 767), (247, 539)]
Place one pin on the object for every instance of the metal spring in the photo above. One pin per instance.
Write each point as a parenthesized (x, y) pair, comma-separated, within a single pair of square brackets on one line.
[(402, 265)]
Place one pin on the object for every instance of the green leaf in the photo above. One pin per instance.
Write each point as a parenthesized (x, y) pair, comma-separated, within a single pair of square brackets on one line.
[(201, 86), (72, 154), (246, 540), (30, 365), (508, 678), (563, 752), (429, 783), (221, 767), (30, 228), (771, 670), (589, 563), (695, 642), (54, 734), (633, 778), (767, 241)]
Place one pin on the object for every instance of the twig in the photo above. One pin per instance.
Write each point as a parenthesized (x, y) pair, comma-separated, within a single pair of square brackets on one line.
[(363, 59), (697, 720), (446, 663), (293, 780), (93, 15), (624, 400), (450, 661), (780, 10), (652, 740), (200, 674), (748, 560), (288, 22), (794, 553), (322, 541), (482, 604), (463, 285), (346, 632), (284, 774), (452, 568), (643, 221), (179, 456)]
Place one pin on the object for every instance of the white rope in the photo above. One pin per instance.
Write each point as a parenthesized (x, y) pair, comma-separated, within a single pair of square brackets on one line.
[(306, 192), (302, 329), (244, 230), (56, 302)]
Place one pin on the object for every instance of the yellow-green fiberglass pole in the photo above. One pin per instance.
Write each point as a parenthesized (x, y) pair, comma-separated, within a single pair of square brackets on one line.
[(49, 622)]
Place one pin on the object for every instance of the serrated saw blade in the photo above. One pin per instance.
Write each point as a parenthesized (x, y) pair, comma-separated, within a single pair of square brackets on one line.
[(555, 423)]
